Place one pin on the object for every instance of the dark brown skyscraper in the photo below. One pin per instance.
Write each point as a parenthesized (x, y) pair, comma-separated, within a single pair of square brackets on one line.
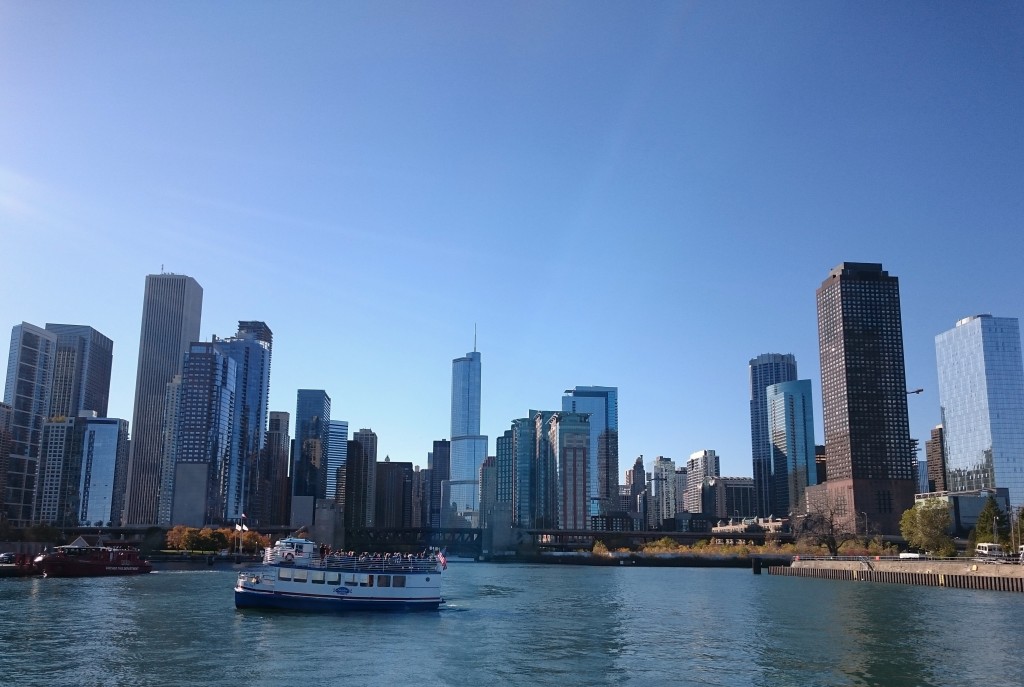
[(870, 461), (935, 453), (171, 311)]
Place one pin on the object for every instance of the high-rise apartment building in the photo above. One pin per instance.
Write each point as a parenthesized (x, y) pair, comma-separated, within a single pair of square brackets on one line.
[(439, 466), (337, 456), (81, 378), (60, 468), (393, 499), (171, 312), (765, 370), (791, 435), (469, 447), (981, 394), (30, 369), (204, 430), (935, 454), (273, 508), (569, 438), (662, 505), (869, 457), (361, 480), (602, 404), (701, 466)]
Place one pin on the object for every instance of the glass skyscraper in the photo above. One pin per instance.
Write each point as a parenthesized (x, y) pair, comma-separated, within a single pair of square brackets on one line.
[(468, 446), (765, 370), (171, 312), (981, 394), (251, 349), (791, 436), (81, 379), (337, 454), (602, 404), (30, 368)]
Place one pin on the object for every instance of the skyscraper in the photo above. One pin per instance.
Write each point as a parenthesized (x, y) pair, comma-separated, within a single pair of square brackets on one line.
[(663, 500), (203, 443), (765, 370), (469, 447), (935, 454), (701, 466), (981, 394), (251, 349), (30, 368), (309, 453), (361, 480), (791, 433), (569, 439), (274, 508), (602, 403), (439, 465), (171, 312), (81, 379), (337, 454), (870, 462)]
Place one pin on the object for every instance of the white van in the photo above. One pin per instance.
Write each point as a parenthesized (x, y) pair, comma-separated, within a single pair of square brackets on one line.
[(989, 551)]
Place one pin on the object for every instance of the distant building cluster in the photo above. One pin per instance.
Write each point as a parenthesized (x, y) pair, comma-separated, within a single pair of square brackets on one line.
[(205, 449)]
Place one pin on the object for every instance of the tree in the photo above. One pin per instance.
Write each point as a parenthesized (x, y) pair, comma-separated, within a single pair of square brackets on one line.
[(993, 525), (177, 538), (826, 523), (926, 527)]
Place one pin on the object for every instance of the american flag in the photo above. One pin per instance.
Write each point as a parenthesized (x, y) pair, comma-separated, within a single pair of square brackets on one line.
[(442, 560)]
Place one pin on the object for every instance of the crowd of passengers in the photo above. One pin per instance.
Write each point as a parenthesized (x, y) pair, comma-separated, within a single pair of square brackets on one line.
[(329, 556)]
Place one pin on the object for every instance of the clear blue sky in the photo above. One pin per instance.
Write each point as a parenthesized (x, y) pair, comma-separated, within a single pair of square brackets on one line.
[(642, 195)]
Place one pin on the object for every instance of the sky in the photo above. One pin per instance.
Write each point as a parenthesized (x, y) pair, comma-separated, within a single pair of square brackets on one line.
[(641, 195)]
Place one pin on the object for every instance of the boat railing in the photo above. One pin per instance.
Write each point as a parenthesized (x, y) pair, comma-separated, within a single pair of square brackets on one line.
[(393, 563)]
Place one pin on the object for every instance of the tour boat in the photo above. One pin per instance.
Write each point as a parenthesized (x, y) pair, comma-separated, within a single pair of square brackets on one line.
[(294, 576), (90, 561)]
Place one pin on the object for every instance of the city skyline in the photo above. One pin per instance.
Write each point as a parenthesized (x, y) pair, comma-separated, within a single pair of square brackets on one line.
[(653, 153)]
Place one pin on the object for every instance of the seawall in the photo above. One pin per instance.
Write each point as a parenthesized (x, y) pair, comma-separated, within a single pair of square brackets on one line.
[(952, 573)]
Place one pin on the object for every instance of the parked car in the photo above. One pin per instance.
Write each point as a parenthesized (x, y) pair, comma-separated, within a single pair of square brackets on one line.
[(6, 557)]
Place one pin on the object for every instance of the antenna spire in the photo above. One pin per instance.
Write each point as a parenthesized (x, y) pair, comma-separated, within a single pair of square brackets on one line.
[(474, 337)]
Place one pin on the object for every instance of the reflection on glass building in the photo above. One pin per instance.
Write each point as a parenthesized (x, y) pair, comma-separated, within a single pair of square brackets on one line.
[(765, 370), (981, 392), (602, 404), (791, 433)]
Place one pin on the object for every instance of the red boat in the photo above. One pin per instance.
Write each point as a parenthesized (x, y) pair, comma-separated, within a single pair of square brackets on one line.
[(91, 561)]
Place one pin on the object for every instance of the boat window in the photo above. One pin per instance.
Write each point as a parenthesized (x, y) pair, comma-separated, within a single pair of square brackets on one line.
[(284, 573), (333, 578), (383, 580), (300, 575), (351, 579), (318, 577), (366, 580), (398, 581)]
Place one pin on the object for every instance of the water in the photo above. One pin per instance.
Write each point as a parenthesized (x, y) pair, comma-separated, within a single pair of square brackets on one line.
[(516, 625)]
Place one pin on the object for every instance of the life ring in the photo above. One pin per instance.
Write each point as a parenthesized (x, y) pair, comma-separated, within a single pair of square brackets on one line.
[(289, 557)]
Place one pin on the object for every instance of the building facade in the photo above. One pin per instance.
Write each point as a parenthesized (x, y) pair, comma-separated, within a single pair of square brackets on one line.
[(869, 457), (663, 492), (981, 394), (30, 369), (701, 466), (251, 348), (337, 456), (765, 370), (602, 404), (273, 507), (204, 423), (935, 454), (171, 314), (361, 480), (568, 436), (81, 379), (309, 453), (791, 436)]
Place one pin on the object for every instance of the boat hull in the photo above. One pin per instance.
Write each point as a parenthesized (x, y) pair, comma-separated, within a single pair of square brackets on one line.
[(327, 604), (79, 569)]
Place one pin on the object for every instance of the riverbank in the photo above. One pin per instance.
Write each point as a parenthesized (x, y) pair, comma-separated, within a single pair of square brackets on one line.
[(664, 560), (949, 572)]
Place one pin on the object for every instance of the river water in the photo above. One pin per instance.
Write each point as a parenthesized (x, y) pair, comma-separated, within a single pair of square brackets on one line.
[(506, 624)]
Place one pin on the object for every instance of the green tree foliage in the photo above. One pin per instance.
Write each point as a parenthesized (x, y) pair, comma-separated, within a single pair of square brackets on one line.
[(926, 527), (993, 526)]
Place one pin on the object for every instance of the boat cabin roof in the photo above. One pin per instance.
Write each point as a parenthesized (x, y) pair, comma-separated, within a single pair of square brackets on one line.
[(290, 542)]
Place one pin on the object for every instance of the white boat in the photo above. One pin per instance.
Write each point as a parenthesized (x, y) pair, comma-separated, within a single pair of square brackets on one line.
[(293, 576)]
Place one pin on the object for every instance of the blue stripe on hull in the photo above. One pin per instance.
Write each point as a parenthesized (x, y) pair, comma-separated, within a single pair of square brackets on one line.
[(287, 602)]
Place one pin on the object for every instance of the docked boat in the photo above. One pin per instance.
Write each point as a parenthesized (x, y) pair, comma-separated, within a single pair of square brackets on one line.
[(294, 576), (90, 561)]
